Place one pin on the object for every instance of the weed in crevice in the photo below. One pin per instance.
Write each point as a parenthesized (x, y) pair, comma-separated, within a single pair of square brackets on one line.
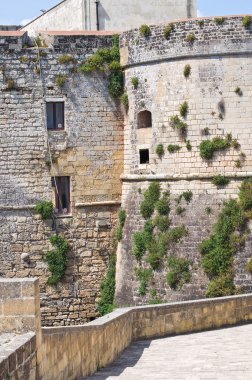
[(220, 181), (187, 71), (160, 150), (168, 30), (246, 22), (238, 91), (135, 82), (219, 20), (183, 109), (145, 30), (191, 37), (173, 148)]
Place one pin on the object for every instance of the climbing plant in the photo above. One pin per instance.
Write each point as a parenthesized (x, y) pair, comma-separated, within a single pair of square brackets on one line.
[(56, 259), (106, 303)]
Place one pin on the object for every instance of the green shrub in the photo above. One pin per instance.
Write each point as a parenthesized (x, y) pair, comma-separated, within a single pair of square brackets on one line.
[(144, 275), (173, 148), (125, 100), (108, 60), (122, 217), (106, 303), (201, 23), (191, 37), (245, 194), (209, 147), (163, 205), (45, 209), (179, 272), (145, 30), (119, 233), (238, 91), (24, 59), (60, 80), (135, 82), (176, 234), (221, 286), (220, 181), (168, 30), (154, 300), (183, 109), (151, 196), (139, 245), (218, 250), (247, 20), (162, 222), (154, 259), (177, 123), (160, 150), (219, 20), (187, 195), (188, 145), (66, 59), (148, 230), (180, 210), (235, 144), (249, 265), (208, 210), (56, 259), (187, 71)]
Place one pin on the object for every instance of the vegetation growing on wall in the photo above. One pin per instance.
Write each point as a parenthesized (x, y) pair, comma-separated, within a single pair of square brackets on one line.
[(183, 109), (66, 59), (227, 238), (125, 100), (106, 303), (220, 180), (135, 82), (107, 60), (247, 21), (122, 219), (209, 147), (187, 71), (173, 148), (219, 20), (191, 37), (160, 150), (60, 80), (179, 272), (238, 91), (168, 30), (179, 125), (45, 209), (56, 259), (145, 30), (157, 238)]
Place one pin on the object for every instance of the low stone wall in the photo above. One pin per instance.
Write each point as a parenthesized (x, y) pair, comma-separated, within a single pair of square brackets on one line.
[(18, 356), (19, 305), (69, 352)]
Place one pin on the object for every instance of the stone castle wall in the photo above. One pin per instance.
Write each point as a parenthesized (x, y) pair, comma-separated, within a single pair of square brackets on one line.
[(220, 60), (89, 151)]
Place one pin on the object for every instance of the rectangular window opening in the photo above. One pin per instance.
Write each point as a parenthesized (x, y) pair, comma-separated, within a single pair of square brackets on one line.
[(55, 115), (144, 156), (61, 188)]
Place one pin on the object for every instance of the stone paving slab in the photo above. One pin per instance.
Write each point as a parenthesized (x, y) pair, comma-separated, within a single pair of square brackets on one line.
[(224, 354)]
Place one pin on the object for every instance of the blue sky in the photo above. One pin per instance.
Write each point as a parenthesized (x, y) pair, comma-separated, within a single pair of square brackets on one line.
[(21, 11)]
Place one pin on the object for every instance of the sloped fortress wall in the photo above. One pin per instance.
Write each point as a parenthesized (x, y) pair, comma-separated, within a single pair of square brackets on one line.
[(218, 93), (89, 151), (113, 15)]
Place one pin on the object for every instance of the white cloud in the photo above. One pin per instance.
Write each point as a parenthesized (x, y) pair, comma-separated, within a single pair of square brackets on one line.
[(25, 21), (199, 13)]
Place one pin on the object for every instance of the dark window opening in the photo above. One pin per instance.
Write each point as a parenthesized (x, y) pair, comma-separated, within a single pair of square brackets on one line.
[(144, 119), (61, 187), (55, 115), (144, 156)]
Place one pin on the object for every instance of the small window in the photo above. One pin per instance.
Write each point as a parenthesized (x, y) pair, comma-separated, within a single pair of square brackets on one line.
[(144, 119), (144, 156), (55, 115), (61, 186)]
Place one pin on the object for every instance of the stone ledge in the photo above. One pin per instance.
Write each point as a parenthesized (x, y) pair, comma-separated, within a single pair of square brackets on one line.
[(179, 177)]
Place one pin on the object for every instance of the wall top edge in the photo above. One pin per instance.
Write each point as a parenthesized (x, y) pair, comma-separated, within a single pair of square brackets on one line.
[(109, 318)]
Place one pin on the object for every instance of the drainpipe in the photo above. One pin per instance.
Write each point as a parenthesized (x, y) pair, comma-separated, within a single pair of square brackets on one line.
[(97, 14)]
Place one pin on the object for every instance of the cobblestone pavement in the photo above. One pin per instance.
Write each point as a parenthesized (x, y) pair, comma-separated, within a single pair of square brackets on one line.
[(224, 354)]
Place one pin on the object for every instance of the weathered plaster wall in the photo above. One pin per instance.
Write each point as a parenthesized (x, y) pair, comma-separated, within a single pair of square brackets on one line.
[(89, 150), (113, 15), (220, 60)]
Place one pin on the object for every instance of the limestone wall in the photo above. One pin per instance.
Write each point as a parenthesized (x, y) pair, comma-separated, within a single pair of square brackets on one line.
[(89, 151), (71, 352), (113, 15), (220, 60)]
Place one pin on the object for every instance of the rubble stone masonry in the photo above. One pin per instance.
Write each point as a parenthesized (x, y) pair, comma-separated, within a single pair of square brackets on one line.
[(89, 150)]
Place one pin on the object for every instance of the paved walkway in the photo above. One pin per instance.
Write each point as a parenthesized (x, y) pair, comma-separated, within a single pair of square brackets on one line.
[(224, 354)]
